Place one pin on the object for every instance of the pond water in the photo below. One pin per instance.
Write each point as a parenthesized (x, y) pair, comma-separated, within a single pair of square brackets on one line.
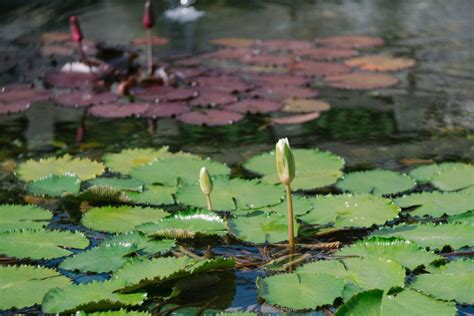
[(429, 115)]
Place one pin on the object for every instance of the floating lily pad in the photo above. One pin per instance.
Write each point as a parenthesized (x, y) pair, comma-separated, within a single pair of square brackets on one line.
[(319, 69), (154, 195), (234, 42), (325, 53), (362, 210), (40, 244), (314, 168), (181, 94), (232, 194), (300, 291), (305, 106), (295, 119), (210, 117), (268, 60), (254, 106), (118, 184), (16, 107), (83, 168), (15, 94), (284, 44), (281, 80), (227, 84), (380, 63), (350, 41), (143, 243), (425, 173), (361, 81), (212, 97), (406, 252), (117, 110), (277, 92), (120, 312), (90, 296), (84, 98), (378, 182), (128, 159), (68, 79), (55, 185), (446, 176), (188, 224), (166, 109), (301, 206), (467, 218), (23, 216), (409, 302), (431, 235), (261, 228), (168, 170), (455, 282), (120, 219), (24, 286), (437, 204)]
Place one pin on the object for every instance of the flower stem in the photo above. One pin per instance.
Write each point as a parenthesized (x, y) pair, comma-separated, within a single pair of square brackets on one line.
[(149, 51), (209, 202), (291, 234)]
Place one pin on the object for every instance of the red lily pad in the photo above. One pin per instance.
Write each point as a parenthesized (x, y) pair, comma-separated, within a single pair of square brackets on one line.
[(295, 119), (223, 84), (380, 63), (255, 106), (83, 98), (213, 97), (283, 92), (210, 117), (188, 72), (166, 109), (282, 80), (234, 42), (361, 81), (268, 60), (319, 69), (14, 107), (231, 53), (323, 53), (181, 94), (350, 41), (155, 41), (152, 93), (22, 94), (116, 110), (66, 79), (284, 44)]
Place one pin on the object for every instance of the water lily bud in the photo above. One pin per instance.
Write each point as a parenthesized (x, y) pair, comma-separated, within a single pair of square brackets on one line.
[(205, 181), (148, 18), (285, 162), (76, 32)]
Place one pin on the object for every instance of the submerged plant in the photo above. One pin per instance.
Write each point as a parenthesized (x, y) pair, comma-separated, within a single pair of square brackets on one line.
[(205, 181)]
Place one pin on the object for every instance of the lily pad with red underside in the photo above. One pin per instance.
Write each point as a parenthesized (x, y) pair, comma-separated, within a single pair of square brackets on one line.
[(210, 117), (212, 97), (283, 92), (230, 53), (281, 80), (188, 72), (380, 63), (66, 79), (83, 98), (350, 41), (155, 41), (295, 119), (361, 81), (116, 110), (166, 109), (234, 42), (152, 93), (284, 44), (255, 106), (15, 107), (319, 69), (180, 94), (22, 94), (305, 105), (323, 53), (268, 60), (223, 83)]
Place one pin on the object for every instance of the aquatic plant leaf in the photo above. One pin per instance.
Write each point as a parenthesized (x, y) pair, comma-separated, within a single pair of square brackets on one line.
[(91, 296), (325, 53), (55, 185), (436, 204), (120, 312), (301, 206), (210, 117), (24, 286), (212, 97), (409, 302), (267, 60), (368, 303), (281, 80), (40, 244), (305, 106), (446, 176), (295, 119), (378, 182), (180, 94), (455, 282), (118, 110), (120, 219), (171, 170), (361, 81), (319, 69), (346, 210), (300, 291), (154, 195), (283, 44), (84, 98), (186, 224), (254, 106), (279, 93), (431, 235), (234, 42), (14, 216), (144, 244), (229, 194), (166, 109), (261, 228), (380, 63), (83, 168), (409, 254), (118, 184), (350, 41), (128, 159), (228, 84), (425, 173), (466, 218), (97, 195), (314, 169), (15, 107)]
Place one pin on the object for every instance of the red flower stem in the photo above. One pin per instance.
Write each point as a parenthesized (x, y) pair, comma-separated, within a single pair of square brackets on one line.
[(149, 51)]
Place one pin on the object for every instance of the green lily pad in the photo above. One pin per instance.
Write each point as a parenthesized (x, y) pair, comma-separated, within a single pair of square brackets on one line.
[(83, 168), (105, 258), (432, 235), (466, 218), (188, 224), (301, 206), (40, 244), (314, 168), (437, 204), (378, 182), (446, 176), (120, 312), (368, 303), (154, 195), (23, 286), (23, 216), (346, 210), (231, 194), (406, 252), (455, 282), (142, 242), (171, 170), (120, 219), (91, 296), (128, 159), (55, 185), (409, 302), (261, 228), (300, 291), (118, 184)]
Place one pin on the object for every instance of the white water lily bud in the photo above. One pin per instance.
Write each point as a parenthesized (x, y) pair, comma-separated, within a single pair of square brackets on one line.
[(285, 162), (205, 181)]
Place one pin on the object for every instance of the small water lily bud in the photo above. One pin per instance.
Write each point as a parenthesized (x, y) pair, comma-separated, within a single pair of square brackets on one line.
[(205, 181), (76, 32), (148, 18), (285, 162)]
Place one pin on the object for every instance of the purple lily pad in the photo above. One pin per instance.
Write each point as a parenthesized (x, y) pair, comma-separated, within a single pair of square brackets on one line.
[(166, 109), (350, 41), (152, 93), (295, 119), (210, 117), (268, 60), (255, 106), (181, 94), (325, 53), (284, 44), (283, 92), (282, 80), (224, 84), (66, 79), (230, 53), (22, 94), (212, 97), (116, 110), (82, 98), (319, 69), (14, 107)]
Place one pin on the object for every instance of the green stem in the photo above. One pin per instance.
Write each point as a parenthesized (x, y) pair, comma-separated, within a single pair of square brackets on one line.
[(209, 202), (291, 232)]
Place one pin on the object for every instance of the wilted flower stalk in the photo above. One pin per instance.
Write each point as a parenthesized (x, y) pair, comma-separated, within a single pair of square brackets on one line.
[(285, 164), (205, 181), (148, 22)]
